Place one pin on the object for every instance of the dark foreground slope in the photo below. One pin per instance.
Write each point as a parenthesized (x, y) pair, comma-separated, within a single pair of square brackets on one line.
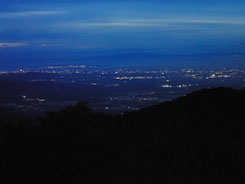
[(198, 138)]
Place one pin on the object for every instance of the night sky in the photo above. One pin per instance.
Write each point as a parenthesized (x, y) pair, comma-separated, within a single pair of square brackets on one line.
[(35, 32)]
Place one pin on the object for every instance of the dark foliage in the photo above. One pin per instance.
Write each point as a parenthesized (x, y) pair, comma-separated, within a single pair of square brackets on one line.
[(198, 138)]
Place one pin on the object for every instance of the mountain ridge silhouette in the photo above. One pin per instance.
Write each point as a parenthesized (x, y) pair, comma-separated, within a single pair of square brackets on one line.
[(198, 138)]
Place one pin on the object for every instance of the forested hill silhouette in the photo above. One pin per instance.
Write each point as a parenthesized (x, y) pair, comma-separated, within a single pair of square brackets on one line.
[(198, 138)]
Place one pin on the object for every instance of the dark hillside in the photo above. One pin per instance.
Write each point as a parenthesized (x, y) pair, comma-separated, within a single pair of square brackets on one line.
[(198, 138)]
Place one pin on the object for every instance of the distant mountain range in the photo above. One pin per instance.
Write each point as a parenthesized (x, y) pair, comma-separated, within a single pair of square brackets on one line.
[(116, 58)]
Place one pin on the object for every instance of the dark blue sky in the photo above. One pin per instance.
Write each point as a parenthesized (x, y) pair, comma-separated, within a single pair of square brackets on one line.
[(32, 32)]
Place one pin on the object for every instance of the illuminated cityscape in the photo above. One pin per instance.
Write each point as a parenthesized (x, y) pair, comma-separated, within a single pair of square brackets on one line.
[(108, 90)]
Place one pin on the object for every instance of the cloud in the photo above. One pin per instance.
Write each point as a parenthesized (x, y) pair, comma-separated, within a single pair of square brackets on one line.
[(112, 24), (29, 13), (72, 45), (186, 20), (214, 22), (147, 23), (44, 45), (12, 45)]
